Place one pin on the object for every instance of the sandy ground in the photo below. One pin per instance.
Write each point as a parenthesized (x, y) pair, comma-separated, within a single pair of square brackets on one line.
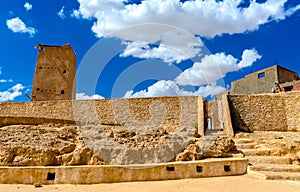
[(215, 184)]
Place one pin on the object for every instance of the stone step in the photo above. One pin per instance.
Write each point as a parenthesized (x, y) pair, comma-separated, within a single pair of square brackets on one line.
[(269, 159), (256, 152), (214, 132), (275, 167), (263, 152), (242, 146), (269, 175), (244, 140)]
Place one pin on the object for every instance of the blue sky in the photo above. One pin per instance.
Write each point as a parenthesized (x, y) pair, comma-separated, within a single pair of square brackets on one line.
[(150, 47)]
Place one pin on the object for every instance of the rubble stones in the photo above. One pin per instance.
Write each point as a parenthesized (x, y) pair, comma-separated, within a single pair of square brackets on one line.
[(31, 145), (209, 146)]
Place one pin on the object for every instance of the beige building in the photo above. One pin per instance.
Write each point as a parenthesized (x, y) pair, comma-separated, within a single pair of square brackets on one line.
[(263, 81), (55, 73)]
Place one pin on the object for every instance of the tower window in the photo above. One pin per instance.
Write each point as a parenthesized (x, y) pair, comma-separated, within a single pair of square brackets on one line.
[(65, 71), (62, 92), (38, 89), (261, 75)]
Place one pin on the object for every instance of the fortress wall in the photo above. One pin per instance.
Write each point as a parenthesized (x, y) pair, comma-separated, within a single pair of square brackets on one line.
[(266, 112), (169, 112)]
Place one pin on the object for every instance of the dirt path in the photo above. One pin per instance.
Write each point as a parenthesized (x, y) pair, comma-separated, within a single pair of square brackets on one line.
[(217, 184)]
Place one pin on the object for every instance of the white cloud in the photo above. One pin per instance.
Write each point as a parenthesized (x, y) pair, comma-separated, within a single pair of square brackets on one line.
[(214, 67), (28, 6), (204, 74), (172, 47), (170, 88), (11, 93), (206, 18), (61, 13), (83, 96), (18, 26), (6, 81)]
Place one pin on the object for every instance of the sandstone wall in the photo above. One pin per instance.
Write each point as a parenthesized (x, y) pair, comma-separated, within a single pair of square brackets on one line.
[(268, 112), (168, 111), (120, 131)]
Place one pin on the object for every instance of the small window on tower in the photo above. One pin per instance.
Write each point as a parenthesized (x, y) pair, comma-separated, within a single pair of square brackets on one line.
[(62, 92), (65, 71), (261, 75)]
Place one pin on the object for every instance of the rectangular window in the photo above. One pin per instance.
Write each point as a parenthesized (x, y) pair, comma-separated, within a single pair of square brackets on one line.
[(261, 75), (289, 88)]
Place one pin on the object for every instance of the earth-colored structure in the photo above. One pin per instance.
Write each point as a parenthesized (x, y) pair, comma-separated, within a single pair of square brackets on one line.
[(56, 139), (55, 73), (265, 81)]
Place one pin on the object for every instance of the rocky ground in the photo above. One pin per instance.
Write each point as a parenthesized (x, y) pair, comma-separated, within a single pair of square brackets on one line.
[(57, 144), (48, 144), (132, 139), (211, 145)]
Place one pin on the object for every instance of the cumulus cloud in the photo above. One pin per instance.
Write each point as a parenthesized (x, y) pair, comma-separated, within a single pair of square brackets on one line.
[(204, 74), (174, 46), (83, 96), (214, 67), (18, 26), (11, 93), (208, 18), (170, 88), (61, 13), (28, 6)]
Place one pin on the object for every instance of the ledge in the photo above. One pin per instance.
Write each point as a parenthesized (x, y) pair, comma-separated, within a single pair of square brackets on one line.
[(114, 173)]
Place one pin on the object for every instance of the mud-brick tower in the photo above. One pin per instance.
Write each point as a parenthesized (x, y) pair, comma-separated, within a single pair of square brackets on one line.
[(55, 73)]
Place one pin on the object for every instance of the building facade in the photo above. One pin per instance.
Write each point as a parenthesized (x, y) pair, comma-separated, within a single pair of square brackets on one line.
[(55, 73), (264, 81)]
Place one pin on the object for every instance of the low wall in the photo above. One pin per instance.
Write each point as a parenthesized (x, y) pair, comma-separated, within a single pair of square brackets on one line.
[(110, 174), (265, 112)]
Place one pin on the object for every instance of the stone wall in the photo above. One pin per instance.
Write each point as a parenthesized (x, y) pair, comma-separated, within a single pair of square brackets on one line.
[(265, 112), (136, 111), (120, 131)]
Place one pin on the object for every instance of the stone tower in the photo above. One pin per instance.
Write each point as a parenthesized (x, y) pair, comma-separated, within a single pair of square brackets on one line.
[(55, 73)]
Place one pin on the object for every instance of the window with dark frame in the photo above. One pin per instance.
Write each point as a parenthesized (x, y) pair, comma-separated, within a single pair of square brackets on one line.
[(261, 75)]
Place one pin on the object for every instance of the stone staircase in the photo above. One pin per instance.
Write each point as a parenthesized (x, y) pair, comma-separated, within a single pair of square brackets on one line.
[(271, 155)]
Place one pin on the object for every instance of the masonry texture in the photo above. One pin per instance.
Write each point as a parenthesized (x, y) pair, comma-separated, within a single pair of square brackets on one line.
[(55, 73), (265, 112), (120, 131)]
